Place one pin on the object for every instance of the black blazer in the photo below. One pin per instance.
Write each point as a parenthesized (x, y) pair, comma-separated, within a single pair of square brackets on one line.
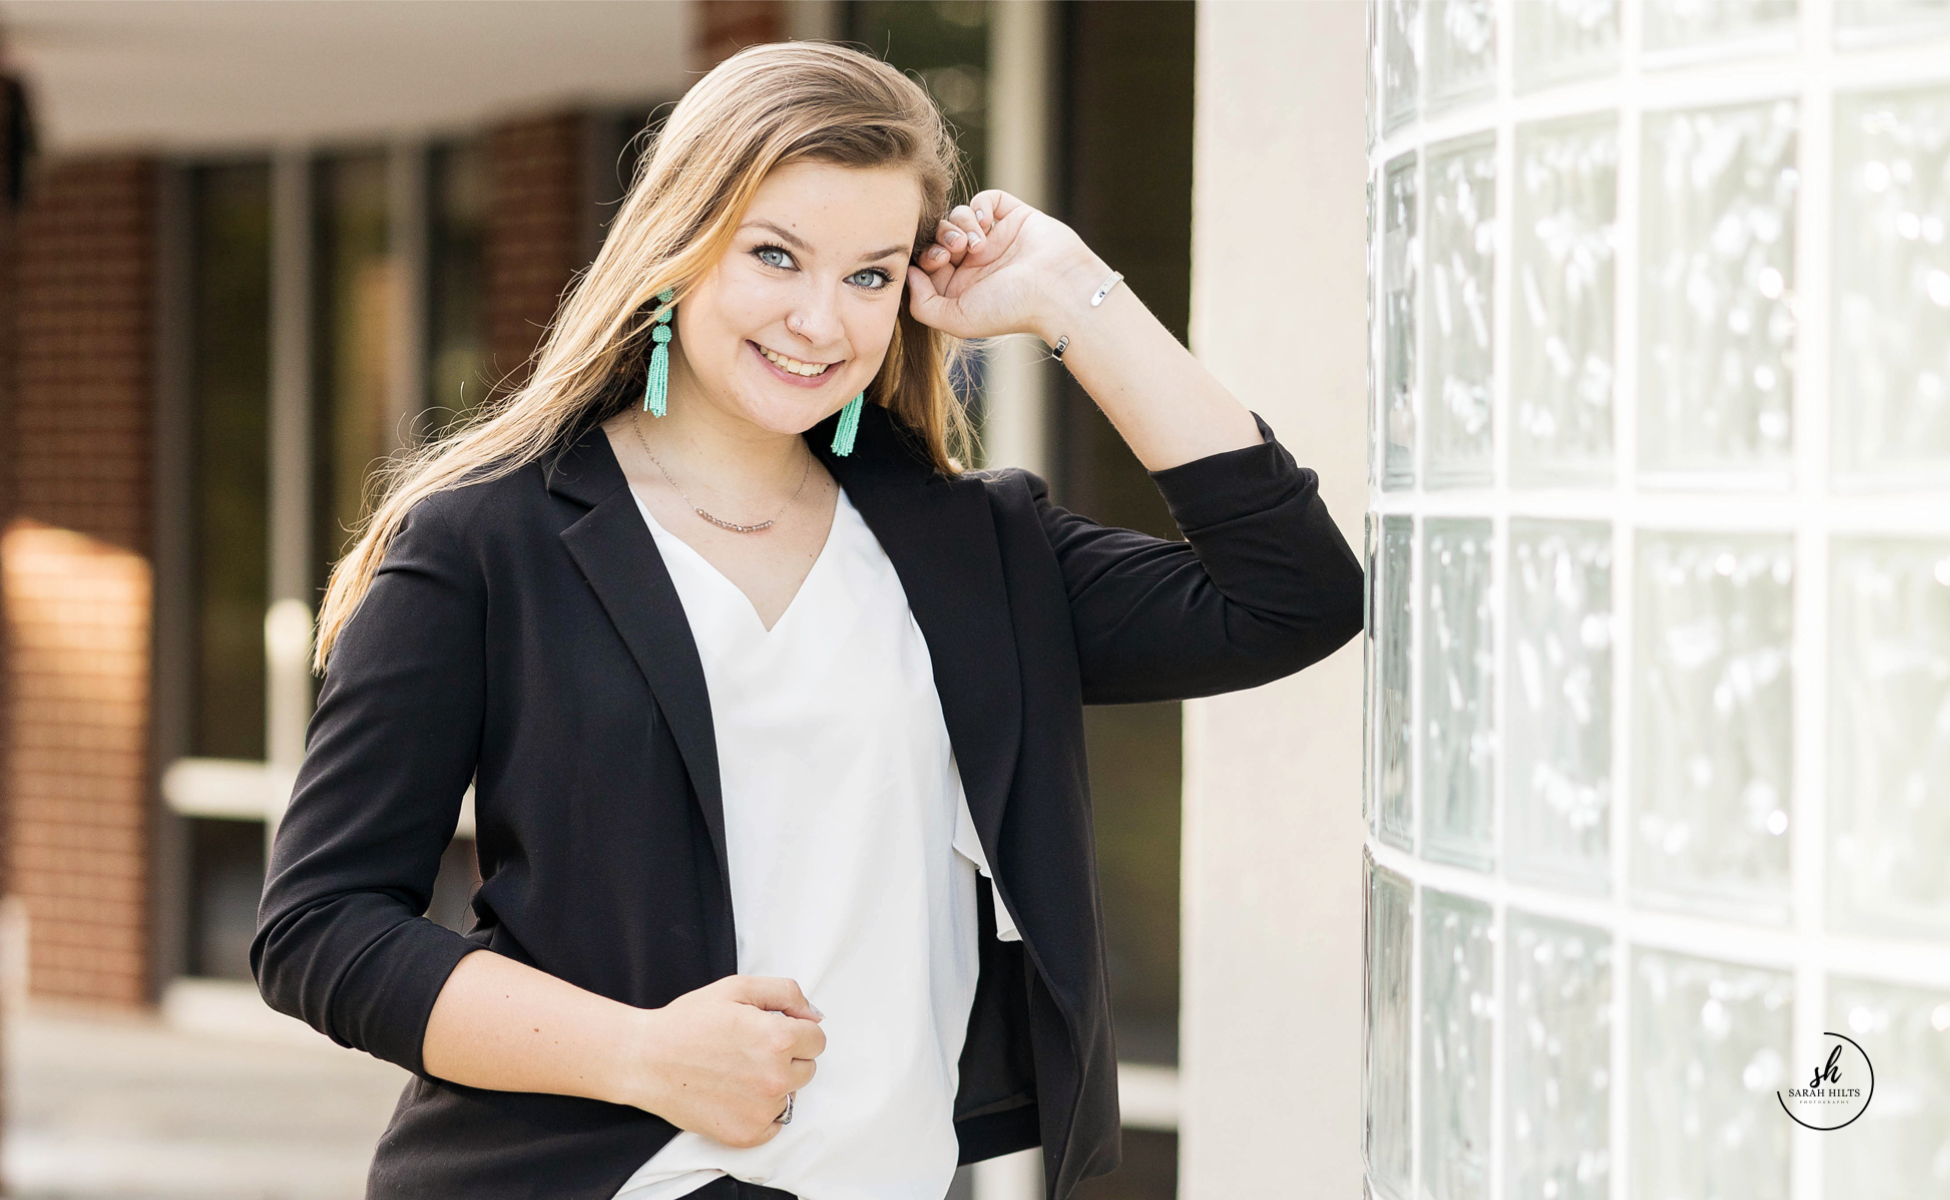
[(523, 633)]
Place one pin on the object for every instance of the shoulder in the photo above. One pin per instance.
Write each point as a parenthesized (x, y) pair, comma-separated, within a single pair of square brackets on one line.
[(1008, 483), (488, 506)]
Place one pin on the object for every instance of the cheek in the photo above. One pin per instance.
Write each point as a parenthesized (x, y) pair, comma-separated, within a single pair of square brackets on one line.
[(871, 332), (718, 316)]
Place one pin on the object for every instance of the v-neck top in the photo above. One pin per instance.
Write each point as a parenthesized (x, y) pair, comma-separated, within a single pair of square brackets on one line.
[(854, 866)]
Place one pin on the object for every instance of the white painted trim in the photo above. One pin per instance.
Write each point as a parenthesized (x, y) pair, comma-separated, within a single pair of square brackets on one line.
[(1016, 385), (241, 790)]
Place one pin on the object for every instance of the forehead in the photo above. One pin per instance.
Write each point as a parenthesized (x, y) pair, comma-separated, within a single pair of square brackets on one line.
[(841, 209)]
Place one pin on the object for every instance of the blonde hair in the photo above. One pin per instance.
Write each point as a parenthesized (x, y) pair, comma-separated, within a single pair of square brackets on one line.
[(764, 107)]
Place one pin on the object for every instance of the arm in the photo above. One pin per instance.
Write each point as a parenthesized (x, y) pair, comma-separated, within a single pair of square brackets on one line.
[(999, 266), (341, 941), (1264, 584), (718, 1061)]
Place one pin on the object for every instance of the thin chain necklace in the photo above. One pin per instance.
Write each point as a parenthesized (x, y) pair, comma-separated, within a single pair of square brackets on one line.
[(636, 423)]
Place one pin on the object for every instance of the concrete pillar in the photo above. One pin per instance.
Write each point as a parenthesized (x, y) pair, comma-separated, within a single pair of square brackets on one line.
[(1270, 1050), (1015, 425)]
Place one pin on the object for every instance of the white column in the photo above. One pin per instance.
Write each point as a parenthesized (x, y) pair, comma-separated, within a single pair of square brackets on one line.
[(1270, 1046), (287, 623), (813, 20), (1016, 381), (1015, 427)]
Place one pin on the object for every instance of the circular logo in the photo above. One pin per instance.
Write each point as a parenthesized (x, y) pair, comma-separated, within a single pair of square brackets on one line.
[(1837, 1090)]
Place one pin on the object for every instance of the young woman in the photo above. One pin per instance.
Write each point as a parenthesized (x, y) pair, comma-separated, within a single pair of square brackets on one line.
[(772, 710)]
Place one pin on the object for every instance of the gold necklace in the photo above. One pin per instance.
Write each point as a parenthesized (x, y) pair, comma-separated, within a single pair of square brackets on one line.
[(636, 423)]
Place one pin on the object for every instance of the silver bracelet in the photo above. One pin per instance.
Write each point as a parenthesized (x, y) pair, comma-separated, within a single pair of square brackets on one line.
[(1063, 343)]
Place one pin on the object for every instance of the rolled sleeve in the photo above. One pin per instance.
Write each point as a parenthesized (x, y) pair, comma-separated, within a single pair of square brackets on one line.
[(342, 942), (1263, 585)]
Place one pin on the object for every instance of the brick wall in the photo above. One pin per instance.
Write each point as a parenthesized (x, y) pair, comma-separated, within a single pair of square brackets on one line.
[(75, 574), (534, 234), (539, 209), (724, 27)]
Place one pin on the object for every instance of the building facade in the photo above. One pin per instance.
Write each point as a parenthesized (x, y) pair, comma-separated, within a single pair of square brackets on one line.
[(235, 277)]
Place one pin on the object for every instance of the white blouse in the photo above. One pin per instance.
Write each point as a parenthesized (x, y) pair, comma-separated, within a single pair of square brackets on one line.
[(854, 865)]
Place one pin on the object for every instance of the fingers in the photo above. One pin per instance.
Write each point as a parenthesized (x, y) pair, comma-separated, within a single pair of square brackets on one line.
[(964, 231), (923, 297), (777, 995), (801, 1073), (805, 1041)]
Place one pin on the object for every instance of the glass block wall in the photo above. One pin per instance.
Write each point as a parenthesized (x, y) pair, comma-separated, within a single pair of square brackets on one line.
[(1658, 649)]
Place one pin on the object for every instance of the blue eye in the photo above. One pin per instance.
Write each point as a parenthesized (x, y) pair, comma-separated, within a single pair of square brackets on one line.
[(873, 279), (773, 256)]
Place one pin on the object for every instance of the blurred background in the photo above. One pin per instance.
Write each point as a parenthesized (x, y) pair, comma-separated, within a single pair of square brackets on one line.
[(1626, 324)]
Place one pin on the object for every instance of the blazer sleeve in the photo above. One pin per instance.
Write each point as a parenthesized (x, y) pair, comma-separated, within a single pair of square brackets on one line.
[(1263, 584), (341, 940)]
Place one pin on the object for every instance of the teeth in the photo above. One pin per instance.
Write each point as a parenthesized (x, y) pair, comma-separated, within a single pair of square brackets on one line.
[(794, 365)]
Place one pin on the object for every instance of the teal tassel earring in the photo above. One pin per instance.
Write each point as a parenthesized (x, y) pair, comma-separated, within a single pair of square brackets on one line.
[(656, 381), (849, 426)]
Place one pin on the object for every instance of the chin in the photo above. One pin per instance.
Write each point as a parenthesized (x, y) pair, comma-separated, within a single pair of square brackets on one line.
[(764, 407)]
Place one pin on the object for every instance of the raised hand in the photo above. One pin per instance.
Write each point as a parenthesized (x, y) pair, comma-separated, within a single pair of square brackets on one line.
[(999, 266)]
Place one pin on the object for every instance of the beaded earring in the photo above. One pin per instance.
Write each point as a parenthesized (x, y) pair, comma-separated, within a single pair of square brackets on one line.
[(656, 381), (849, 426)]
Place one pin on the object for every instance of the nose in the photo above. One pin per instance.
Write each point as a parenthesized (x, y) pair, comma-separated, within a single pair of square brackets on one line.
[(815, 318)]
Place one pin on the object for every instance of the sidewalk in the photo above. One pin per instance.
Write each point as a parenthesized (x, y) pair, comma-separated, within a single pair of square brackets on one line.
[(217, 1099)]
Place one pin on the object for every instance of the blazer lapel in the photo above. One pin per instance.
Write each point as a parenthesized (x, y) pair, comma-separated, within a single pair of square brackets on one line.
[(940, 535), (619, 558)]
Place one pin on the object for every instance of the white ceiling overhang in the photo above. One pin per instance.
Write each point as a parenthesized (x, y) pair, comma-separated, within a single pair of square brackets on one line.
[(181, 76)]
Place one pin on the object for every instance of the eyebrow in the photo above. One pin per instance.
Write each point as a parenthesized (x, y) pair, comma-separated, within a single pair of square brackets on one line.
[(799, 244)]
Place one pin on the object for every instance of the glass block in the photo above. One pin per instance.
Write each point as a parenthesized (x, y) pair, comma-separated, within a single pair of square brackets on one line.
[(1457, 344), (1900, 1148), (1558, 782), (1373, 330), (1368, 77), (1566, 199), (1563, 40), (1395, 822), (1461, 52), (1716, 290), (1370, 685), (1557, 1053), (1401, 61), (1458, 703), (1709, 1047), (1714, 722), (1683, 24), (1401, 254), (1892, 289), (1889, 736), (1384, 1076), (1458, 1009), (1859, 20)]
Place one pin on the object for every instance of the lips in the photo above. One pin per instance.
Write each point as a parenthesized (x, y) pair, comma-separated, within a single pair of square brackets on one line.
[(793, 366)]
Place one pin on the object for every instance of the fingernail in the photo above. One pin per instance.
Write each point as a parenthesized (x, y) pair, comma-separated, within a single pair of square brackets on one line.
[(953, 234), (817, 1015)]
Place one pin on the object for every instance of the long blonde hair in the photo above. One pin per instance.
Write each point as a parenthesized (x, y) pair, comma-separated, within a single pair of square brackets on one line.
[(764, 107)]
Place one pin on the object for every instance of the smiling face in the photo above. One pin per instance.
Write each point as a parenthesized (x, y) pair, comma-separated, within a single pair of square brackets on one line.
[(796, 317)]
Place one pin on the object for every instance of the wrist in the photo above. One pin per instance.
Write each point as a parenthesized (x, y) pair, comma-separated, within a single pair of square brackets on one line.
[(1066, 304), (637, 1077)]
